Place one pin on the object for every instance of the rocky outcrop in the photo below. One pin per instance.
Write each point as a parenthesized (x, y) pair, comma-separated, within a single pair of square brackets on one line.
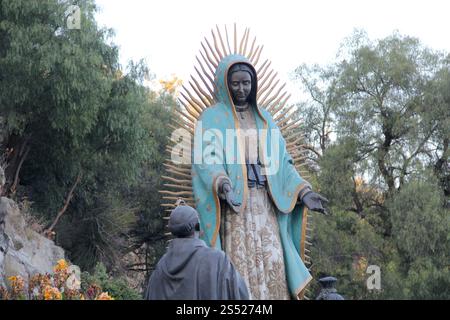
[(23, 251)]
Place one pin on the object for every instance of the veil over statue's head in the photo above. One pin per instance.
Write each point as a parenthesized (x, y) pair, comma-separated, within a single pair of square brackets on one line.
[(230, 64), (240, 66)]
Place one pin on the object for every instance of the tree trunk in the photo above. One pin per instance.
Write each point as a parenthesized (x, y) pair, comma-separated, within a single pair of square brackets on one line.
[(383, 151), (17, 151), (440, 168), (64, 208)]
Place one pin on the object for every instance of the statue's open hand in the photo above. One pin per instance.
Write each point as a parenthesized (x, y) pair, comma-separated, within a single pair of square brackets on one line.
[(315, 202), (230, 197)]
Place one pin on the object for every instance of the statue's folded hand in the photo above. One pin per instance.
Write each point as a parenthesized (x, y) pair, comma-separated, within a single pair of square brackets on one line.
[(230, 197)]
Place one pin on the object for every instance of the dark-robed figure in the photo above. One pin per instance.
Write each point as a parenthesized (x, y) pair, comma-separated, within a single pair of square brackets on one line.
[(190, 270)]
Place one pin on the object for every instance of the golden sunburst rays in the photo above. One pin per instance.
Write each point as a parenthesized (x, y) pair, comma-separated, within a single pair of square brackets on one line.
[(198, 94)]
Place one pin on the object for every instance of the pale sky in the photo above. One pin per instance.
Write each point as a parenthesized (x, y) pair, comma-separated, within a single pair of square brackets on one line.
[(167, 34)]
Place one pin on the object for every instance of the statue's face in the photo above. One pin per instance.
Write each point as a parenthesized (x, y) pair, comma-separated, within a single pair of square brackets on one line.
[(240, 86)]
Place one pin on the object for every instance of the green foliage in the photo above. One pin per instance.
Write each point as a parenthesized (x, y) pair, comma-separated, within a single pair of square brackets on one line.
[(115, 287), (71, 111), (420, 225), (426, 281), (343, 246), (335, 177), (383, 84), (385, 170), (50, 71), (149, 228)]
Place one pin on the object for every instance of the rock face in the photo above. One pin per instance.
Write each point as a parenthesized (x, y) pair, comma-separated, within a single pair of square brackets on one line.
[(23, 252)]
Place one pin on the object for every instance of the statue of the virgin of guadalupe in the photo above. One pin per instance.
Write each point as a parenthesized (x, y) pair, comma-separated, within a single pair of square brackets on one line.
[(243, 179)]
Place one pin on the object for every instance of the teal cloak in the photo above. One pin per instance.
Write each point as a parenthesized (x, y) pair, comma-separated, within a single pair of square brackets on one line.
[(218, 153)]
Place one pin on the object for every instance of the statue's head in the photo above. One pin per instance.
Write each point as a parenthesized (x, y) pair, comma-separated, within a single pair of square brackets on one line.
[(184, 221), (241, 83)]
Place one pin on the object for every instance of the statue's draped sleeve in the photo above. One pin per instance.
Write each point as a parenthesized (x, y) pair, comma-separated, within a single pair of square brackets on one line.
[(210, 169)]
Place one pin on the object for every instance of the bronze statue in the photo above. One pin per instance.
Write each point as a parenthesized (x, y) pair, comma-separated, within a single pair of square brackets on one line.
[(190, 270), (243, 175)]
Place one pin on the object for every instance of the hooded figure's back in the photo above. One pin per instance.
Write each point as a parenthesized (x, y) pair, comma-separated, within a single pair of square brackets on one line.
[(192, 271)]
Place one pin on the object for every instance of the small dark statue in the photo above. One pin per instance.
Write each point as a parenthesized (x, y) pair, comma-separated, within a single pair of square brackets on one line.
[(190, 270), (328, 291)]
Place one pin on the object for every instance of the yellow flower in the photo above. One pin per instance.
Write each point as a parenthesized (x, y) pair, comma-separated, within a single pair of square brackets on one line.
[(61, 266), (172, 84), (104, 296), (17, 286), (51, 293), (57, 295), (47, 293)]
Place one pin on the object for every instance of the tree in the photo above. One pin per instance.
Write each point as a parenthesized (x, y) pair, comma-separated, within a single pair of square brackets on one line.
[(318, 114), (379, 122), (80, 132), (53, 80), (383, 85), (437, 113), (420, 224)]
